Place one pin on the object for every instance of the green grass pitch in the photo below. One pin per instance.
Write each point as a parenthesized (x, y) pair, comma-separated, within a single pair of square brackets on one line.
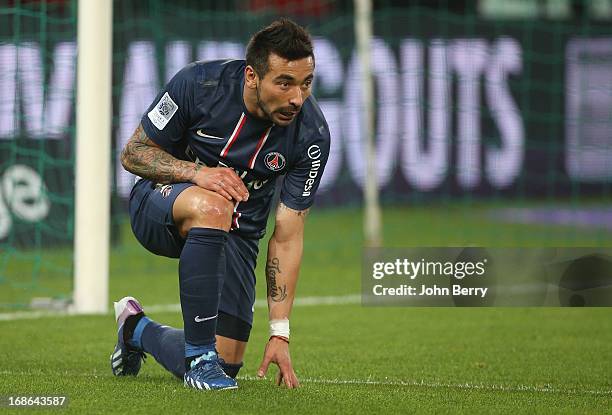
[(350, 359)]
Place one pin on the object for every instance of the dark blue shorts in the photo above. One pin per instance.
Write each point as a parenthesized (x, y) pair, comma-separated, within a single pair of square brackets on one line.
[(153, 225)]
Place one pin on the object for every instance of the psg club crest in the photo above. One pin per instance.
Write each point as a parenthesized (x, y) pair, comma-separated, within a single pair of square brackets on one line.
[(274, 161)]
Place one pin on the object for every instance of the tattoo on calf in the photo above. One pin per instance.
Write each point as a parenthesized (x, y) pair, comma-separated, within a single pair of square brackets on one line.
[(276, 293)]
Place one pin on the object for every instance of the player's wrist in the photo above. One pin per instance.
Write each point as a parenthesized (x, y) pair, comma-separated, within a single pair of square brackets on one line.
[(279, 328), (282, 338), (199, 173)]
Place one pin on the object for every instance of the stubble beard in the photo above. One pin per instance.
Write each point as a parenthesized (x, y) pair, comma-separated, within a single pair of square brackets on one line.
[(261, 106)]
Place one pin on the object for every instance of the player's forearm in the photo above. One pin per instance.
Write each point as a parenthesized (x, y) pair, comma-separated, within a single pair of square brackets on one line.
[(144, 158), (282, 271)]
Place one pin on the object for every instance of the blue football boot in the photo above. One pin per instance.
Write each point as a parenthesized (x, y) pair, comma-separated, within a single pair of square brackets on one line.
[(206, 373)]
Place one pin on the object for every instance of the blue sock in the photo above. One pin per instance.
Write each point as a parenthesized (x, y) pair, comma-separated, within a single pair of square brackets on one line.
[(166, 345), (137, 335), (192, 350), (201, 273)]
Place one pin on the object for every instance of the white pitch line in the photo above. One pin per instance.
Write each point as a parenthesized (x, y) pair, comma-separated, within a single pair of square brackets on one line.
[(26, 315), (164, 308), (374, 382), (300, 302), (429, 384)]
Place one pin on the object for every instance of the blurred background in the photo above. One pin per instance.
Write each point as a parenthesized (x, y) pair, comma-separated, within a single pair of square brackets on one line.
[(493, 126)]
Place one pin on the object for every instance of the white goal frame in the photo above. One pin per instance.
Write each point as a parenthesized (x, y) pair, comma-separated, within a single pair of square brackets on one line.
[(93, 148), (363, 35)]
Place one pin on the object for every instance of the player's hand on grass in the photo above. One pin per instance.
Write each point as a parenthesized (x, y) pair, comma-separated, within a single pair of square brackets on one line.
[(277, 351), (222, 180)]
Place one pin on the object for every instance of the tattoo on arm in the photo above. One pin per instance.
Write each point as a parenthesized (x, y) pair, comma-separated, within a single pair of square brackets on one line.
[(276, 293), (144, 158)]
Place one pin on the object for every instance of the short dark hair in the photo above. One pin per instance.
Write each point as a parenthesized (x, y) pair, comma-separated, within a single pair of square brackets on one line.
[(284, 38)]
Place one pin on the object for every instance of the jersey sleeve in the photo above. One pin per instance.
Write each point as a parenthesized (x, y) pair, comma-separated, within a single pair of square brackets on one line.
[(302, 180), (168, 116)]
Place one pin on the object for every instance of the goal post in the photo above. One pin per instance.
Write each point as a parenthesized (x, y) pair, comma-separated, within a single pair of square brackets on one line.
[(93, 150), (363, 35)]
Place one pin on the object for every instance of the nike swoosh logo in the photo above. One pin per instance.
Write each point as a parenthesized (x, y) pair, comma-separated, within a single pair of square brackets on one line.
[(199, 320), (202, 134)]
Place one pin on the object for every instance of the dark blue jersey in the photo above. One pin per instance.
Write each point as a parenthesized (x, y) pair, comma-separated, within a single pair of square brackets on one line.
[(200, 116)]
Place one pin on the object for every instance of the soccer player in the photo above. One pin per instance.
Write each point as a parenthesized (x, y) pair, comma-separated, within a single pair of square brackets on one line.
[(208, 152)]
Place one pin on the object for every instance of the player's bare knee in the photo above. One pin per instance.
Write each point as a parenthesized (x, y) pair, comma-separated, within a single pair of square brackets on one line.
[(206, 210), (211, 210)]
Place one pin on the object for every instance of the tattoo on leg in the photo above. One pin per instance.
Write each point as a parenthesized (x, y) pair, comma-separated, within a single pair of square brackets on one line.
[(276, 293), (301, 213)]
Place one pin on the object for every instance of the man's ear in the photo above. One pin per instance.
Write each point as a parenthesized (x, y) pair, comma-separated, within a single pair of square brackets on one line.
[(250, 77)]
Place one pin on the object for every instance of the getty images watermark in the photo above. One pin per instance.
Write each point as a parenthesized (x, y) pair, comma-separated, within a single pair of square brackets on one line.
[(478, 276), (418, 270)]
